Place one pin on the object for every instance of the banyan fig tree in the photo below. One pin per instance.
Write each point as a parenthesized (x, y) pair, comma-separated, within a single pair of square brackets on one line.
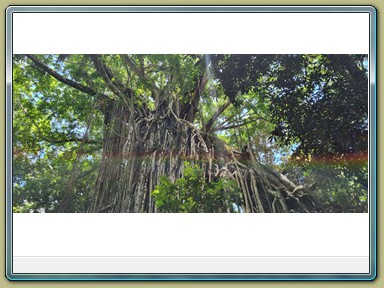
[(181, 133)]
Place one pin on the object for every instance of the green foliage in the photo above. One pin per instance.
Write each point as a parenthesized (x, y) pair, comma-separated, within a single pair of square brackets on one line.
[(40, 180), (48, 117), (317, 101), (340, 187), (193, 194)]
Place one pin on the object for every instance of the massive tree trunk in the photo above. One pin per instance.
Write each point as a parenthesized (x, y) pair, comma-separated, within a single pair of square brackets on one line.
[(139, 149)]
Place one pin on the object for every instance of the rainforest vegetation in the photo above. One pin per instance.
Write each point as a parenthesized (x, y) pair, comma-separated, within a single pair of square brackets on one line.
[(190, 133)]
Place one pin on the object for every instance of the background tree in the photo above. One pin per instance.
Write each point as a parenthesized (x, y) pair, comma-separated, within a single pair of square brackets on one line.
[(318, 101)]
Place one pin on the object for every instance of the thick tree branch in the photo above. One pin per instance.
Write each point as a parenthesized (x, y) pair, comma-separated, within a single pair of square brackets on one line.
[(217, 115), (69, 82), (107, 75), (189, 109), (60, 77)]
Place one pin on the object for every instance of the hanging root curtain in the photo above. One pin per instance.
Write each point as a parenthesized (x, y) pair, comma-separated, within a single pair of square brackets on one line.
[(139, 148)]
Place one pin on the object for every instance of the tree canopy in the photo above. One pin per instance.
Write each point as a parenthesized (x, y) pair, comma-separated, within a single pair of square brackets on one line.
[(190, 133), (318, 101)]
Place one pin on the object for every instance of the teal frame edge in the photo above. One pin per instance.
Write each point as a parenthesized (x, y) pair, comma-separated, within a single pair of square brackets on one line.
[(197, 9)]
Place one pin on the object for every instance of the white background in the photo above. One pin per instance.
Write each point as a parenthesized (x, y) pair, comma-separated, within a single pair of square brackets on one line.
[(191, 234), (271, 33)]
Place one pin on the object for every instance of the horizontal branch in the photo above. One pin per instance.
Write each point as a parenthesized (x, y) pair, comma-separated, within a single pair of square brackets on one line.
[(235, 125), (230, 127), (57, 141), (62, 141), (60, 77)]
